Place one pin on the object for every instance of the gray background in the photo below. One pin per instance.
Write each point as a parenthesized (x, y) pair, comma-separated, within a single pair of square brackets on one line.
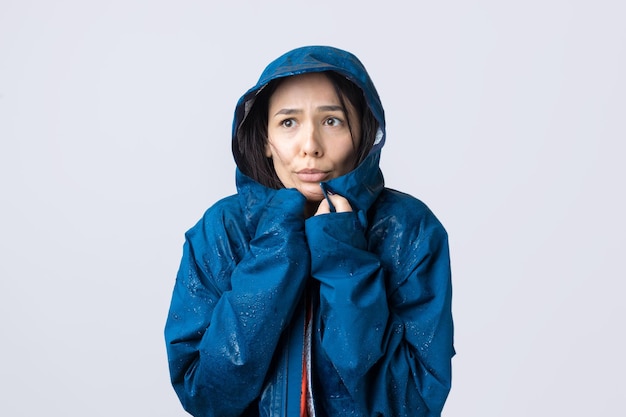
[(506, 118)]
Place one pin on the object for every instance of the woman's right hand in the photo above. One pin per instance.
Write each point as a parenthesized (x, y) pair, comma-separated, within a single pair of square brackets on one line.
[(340, 203)]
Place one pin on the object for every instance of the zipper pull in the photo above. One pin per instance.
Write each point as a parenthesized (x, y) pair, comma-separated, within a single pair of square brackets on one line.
[(326, 190)]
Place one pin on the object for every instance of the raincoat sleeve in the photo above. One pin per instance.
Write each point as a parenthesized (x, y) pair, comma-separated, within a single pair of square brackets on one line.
[(385, 320), (227, 315)]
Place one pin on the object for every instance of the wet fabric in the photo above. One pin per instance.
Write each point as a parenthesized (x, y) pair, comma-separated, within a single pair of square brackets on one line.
[(382, 331)]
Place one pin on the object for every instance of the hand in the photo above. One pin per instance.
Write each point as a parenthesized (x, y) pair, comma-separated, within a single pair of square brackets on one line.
[(341, 205)]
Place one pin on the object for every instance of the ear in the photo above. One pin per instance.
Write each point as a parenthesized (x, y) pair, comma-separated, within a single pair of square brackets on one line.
[(268, 150)]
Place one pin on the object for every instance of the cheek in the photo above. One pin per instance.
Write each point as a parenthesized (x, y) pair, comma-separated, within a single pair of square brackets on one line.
[(347, 154), (279, 152)]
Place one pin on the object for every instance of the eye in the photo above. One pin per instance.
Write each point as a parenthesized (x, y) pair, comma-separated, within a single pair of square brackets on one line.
[(333, 121), (288, 123)]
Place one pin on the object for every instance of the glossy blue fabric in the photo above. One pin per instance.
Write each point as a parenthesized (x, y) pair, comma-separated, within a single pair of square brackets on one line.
[(379, 278)]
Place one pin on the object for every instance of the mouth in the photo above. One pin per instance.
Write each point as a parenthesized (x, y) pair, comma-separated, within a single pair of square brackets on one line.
[(311, 175)]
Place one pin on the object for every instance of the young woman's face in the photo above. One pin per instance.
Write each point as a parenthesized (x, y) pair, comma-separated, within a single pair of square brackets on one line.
[(309, 140)]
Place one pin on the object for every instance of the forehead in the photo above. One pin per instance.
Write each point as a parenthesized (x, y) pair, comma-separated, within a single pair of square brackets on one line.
[(305, 86)]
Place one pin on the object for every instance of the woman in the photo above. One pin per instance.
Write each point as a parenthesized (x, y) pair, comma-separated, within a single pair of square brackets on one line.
[(315, 290)]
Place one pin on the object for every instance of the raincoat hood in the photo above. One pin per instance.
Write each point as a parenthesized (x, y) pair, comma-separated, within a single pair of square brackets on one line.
[(309, 59), (362, 185)]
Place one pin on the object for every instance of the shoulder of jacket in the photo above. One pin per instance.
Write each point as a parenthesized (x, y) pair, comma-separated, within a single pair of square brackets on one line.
[(226, 206), (218, 216), (219, 238), (400, 202), (407, 210)]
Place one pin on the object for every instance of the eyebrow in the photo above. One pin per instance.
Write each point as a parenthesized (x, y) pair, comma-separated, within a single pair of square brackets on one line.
[(319, 109)]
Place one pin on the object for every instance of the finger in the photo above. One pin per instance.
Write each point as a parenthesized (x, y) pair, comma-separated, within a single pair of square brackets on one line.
[(323, 208), (341, 203)]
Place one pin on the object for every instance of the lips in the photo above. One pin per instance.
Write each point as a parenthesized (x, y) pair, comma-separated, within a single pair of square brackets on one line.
[(311, 175)]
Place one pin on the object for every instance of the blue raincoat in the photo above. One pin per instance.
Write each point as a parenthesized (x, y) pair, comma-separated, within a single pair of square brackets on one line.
[(378, 278)]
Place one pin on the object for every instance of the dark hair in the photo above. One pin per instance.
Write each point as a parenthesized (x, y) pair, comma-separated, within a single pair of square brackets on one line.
[(249, 148)]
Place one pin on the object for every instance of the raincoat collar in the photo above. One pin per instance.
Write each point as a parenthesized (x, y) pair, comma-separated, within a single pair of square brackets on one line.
[(361, 187), (253, 197)]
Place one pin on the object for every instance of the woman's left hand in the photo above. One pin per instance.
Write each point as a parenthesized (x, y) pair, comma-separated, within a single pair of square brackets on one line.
[(341, 205)]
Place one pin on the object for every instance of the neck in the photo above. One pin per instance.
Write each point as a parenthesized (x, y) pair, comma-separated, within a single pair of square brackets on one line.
[(310, 208)]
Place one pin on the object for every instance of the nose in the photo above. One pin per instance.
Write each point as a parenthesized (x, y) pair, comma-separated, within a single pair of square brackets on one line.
[(311, 145)]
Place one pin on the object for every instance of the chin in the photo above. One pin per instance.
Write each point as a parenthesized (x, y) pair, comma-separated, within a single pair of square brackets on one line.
[(313, 196)]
